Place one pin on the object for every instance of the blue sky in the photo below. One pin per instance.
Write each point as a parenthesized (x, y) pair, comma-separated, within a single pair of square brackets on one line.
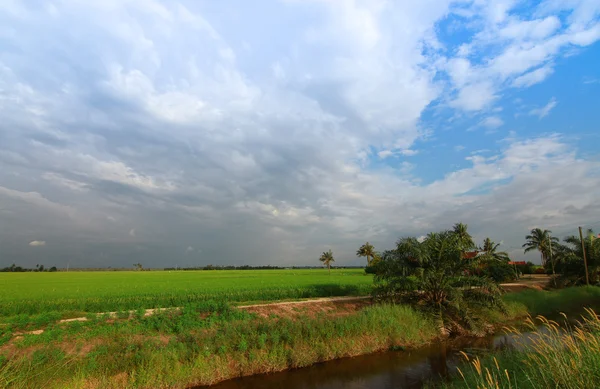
[(196, 132)]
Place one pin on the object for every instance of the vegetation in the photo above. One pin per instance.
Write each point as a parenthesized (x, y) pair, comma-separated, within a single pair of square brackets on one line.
[(463, 239), (434, 275), (547, 359), (541, 241), (207, 342), (437, 285), (75, 293), (327, 258), (490, 252), (19, 269), (202, 344), (568, 300), (570, 262), (367, 250)]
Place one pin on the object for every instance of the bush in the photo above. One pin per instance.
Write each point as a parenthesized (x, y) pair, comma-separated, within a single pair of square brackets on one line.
[(539, 270), (370, 270), (500, 272), (528, 268)]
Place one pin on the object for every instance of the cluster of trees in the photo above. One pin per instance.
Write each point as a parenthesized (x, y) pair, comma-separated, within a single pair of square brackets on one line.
[(565, 259), (20, 269), (445, 273), (441, 273), (496, 262)]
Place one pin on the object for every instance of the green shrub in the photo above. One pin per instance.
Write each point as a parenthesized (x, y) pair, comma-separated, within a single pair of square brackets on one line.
[(500, 272)]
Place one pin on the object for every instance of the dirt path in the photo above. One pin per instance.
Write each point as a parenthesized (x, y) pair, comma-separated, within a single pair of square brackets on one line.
[(311, 301)]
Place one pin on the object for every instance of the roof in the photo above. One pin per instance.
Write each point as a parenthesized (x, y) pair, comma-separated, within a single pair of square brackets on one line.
[(470, 254)]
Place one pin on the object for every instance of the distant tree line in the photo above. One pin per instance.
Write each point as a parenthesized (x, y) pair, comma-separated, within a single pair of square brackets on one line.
[(19, 269), (226, 267)]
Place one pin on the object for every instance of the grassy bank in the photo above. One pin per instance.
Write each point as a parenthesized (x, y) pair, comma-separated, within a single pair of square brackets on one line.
[(77, 293), (179, 349), (210, 341), (551, 358)]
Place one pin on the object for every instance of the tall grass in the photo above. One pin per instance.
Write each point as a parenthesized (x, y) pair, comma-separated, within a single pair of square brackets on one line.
[(554, 357), (177, 349)]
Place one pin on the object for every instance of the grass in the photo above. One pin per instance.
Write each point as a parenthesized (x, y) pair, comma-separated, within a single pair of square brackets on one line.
[(553, 358), (566, 300), (81, 292), (177, 349), (207, 340)]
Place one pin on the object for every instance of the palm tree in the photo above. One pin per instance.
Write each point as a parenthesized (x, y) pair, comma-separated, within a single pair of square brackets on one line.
[(465, 240), (327, 258), (434, 274), (570, 259), (366, 250), (489, 251), (541, 241)]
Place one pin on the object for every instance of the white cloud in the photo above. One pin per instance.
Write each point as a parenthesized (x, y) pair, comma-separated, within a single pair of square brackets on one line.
[(511, 50), (534, 77), (591, 80), (385, 153), (37, 243), (409, 152), (545, 110), (530, 29), (492, 122), (474, 97)]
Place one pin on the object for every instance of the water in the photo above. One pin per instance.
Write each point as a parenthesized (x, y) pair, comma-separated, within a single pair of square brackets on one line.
[(385, 370)]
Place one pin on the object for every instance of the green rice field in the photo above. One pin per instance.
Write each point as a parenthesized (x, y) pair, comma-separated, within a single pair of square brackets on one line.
[(103, 291)]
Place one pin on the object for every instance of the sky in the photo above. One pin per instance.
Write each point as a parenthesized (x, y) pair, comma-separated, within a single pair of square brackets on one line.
[(187, 133)]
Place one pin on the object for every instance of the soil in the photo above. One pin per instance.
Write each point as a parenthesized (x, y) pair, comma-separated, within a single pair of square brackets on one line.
[(333, 307)]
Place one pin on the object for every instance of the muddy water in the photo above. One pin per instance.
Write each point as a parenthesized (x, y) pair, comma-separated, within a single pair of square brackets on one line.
[(386, 370)]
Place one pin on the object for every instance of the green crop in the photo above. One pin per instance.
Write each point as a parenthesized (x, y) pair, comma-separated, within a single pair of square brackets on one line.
[(75, 293)]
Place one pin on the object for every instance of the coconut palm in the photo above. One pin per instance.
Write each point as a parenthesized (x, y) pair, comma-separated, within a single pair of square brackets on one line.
[(570, 259), (434, 274), (541, 241), (366, 250), (490, 253), (327, 258), (465, 240)]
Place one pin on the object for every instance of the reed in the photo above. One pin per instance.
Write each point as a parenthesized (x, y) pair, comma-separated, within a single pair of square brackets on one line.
[(554, 356)]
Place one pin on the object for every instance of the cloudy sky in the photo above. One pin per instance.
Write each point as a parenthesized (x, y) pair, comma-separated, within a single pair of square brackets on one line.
[(265, 132)]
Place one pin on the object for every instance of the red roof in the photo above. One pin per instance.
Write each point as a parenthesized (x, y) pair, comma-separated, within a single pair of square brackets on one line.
[(470, 254)]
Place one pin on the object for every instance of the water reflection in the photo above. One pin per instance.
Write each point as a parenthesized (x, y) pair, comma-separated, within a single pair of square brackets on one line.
[(388, 370)]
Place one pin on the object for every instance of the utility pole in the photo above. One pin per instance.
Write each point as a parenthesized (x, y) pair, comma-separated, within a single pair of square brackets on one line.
[(587, 277), (552, 259)]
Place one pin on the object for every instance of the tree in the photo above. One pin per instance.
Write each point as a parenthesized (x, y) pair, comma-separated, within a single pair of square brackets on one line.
[(570, 263), (366, 250), (541, 241), (465, 240), (434, 275), (327, 258), (490, 253), (138, 266)]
